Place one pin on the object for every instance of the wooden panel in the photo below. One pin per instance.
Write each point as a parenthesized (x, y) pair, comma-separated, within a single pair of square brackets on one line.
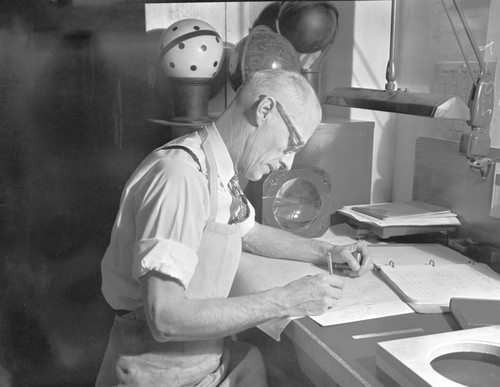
[(442, 176), (341, 147), (344, 149)]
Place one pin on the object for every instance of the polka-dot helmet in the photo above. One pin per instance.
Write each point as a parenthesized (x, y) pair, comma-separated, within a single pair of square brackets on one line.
[(190, 48)]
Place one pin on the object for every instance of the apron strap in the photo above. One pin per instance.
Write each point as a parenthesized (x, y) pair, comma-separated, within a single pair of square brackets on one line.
[(212, 173)]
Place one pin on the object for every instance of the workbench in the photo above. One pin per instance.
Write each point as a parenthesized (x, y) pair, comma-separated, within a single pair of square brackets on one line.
[(343, 354)]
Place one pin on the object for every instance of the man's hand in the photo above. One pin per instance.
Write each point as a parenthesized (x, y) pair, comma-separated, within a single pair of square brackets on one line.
[(348, 255), (311, 295)]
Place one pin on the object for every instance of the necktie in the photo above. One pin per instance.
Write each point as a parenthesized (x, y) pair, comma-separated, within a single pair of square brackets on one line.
[(239, 205)]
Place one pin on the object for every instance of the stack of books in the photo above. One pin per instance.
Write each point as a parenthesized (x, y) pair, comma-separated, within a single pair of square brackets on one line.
[(401, 218)]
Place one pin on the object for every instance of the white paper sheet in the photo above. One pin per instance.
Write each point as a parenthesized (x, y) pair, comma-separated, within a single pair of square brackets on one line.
[(364, 297)]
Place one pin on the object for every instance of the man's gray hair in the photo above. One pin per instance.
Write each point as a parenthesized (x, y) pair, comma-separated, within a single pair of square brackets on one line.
[(291, 88)]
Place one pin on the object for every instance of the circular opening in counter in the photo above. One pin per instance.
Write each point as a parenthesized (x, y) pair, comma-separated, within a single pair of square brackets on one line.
[(473, 369)]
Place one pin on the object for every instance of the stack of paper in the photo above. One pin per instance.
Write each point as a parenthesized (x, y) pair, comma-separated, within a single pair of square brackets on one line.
[(402, 210), (401, 218)]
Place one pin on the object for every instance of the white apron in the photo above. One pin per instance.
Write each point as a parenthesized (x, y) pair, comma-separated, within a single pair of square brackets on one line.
[(135, 358)]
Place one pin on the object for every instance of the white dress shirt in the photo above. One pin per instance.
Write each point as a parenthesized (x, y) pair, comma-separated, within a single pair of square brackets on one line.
[(163, 211)]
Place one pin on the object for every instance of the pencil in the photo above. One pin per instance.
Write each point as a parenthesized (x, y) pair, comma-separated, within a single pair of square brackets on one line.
[(345, 266), (341, 266), (330, 265)]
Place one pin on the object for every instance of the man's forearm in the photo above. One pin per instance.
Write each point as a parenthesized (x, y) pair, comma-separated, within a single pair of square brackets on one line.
[(276, 243), (214, 318), (174, 317)]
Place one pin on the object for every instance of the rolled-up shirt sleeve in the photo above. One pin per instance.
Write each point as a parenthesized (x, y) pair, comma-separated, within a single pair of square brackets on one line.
[(165, 256), (172, 204)]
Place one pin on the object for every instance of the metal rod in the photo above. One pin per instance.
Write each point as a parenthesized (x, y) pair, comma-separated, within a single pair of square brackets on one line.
[(458, 41), (390, 74), (482, 65)]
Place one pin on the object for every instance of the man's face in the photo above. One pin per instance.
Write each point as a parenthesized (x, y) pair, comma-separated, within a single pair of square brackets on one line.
[(273, 145)]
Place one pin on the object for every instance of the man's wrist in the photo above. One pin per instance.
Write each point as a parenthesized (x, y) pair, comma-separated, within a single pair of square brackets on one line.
[(320, 249)]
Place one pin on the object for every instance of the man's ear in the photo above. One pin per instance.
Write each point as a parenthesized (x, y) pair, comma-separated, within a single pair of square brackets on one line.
[(265, 106)]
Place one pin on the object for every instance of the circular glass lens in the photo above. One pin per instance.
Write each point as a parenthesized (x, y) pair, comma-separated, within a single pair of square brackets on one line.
[(297, 204)]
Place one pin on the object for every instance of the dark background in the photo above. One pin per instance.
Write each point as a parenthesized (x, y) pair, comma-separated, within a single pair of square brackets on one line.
[(74, 94)]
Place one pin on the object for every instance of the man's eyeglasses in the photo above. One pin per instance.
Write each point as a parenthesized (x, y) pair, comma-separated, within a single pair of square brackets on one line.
[(295, 140)]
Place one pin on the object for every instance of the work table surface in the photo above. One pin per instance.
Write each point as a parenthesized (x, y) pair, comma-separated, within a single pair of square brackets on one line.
[(343, 353), (346, 353)]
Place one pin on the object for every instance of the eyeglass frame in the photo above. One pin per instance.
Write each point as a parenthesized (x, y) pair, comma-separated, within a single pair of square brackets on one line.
[(295, 140)]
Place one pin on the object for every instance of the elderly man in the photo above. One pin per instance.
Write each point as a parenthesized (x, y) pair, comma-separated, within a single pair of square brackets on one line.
[(177, 240)]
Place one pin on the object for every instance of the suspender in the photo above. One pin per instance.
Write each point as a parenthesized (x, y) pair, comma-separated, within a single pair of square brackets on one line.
[(191, 153), (212, 173), (212, 169)]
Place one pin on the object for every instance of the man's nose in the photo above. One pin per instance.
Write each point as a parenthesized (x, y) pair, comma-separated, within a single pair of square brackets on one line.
[(287, 161)]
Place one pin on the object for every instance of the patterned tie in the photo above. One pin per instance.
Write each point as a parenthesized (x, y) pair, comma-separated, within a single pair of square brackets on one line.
[(239, 206)]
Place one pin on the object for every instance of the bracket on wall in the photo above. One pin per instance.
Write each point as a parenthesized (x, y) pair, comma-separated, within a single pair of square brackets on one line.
[(475, 144)]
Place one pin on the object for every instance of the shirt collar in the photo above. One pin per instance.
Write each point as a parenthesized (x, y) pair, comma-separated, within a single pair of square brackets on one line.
[(225, 167)]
